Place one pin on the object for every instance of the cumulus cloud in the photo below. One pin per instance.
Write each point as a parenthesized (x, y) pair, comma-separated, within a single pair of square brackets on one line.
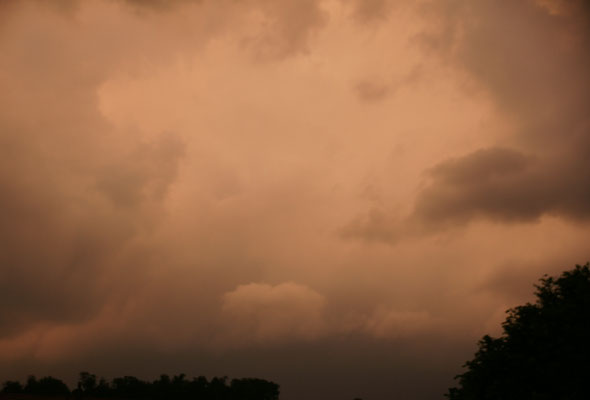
[(258, 313), (262, 313)]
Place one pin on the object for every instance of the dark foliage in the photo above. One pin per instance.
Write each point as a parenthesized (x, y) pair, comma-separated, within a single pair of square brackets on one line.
[(46, 386), (130, 387), (12, 387), (544, 351)]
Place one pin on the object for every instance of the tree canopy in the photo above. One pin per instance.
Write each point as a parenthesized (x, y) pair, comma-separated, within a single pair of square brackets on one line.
[(130, 387), (544, 350)]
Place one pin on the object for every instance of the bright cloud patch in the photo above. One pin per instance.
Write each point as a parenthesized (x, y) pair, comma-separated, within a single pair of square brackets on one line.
[(260, 312)]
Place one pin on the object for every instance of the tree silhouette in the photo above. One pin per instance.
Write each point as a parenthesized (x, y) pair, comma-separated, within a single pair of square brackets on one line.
[(130, 387), (254, 389), (544, 351), (46, 386), (87, 383), (164, 388), (12, 387)]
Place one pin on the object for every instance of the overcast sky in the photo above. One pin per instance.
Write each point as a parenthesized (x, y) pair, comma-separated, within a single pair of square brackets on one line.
[(341, 196)]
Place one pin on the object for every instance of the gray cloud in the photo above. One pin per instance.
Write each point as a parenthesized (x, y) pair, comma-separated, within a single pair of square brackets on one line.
[(72, 199), (506, 186), (533, 66), (492, 182), (530, 59)]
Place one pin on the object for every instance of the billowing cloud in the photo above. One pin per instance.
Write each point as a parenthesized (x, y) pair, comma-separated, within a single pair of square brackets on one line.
[(258, 313), (264, 313), (213, 187), (504, 186), (543, 169), (538, 78), (487, 182), (73, 199)]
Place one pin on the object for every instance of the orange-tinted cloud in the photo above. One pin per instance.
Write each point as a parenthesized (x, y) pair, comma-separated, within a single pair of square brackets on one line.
[(264, 313), (214, 187)]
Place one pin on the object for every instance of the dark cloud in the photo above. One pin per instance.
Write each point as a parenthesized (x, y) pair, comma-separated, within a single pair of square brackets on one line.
[(497, 184), (484, 184), (529, 58), (481, 166), (60, 239), (71, 199), (531, 61), (493, 182)]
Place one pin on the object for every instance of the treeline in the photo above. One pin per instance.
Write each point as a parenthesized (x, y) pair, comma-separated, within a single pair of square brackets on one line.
[(130, 387)]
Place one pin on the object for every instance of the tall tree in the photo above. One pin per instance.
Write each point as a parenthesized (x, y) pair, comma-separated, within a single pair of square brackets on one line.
[(544, 351)]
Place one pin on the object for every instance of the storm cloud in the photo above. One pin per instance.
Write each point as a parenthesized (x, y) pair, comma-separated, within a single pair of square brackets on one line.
[(341, 196), (528, 59)]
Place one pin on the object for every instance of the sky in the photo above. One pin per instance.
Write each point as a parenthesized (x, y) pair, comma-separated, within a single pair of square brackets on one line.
[(341, 196)]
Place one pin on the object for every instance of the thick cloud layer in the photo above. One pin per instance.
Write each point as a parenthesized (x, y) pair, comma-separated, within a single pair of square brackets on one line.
[(529, 59), (72, 195), (342, 196), (533, 65)]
